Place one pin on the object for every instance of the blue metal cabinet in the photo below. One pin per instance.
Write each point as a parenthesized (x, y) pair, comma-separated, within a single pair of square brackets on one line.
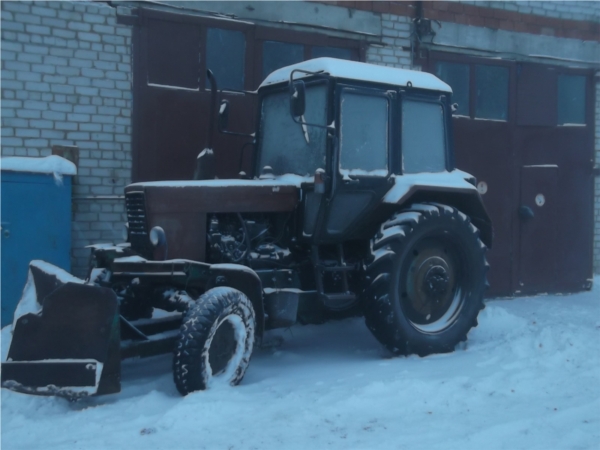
[(36, 224)]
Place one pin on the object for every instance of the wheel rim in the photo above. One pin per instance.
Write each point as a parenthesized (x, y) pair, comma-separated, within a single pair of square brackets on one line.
[(431, 290), (226, 347)]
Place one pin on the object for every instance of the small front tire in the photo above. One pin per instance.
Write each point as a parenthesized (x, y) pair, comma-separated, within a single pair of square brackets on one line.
[(215, 341)]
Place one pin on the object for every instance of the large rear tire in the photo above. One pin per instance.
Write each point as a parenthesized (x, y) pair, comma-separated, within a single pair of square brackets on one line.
[(427, 277), (215, 341)]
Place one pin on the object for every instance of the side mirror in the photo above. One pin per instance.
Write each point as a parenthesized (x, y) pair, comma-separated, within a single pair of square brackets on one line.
[(223, 115), (297, 98)]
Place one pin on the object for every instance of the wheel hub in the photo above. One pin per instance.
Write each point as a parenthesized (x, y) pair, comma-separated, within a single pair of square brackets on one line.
[(436, 281), (430, 284)]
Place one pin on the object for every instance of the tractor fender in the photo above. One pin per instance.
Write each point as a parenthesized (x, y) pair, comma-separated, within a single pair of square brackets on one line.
[(455, 188), (244, 280), (467, 202)]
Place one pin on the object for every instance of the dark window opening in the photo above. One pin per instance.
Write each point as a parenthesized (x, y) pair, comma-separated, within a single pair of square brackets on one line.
[(492, 92), (173, 54), (225, 54), (280, 54), (457, 76), (332, 52), (571, 99)]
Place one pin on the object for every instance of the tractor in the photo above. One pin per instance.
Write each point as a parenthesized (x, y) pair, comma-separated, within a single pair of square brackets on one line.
[(354, 207)]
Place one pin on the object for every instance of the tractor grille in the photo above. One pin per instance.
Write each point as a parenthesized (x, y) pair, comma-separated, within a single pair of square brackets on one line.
[(136, 214)]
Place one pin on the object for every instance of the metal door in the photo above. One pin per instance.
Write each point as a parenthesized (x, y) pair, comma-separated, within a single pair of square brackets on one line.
[(36, 224), (365, 131), (537, 259), (484, 149)]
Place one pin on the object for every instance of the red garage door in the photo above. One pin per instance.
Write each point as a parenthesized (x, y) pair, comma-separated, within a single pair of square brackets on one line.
[(526, 132)]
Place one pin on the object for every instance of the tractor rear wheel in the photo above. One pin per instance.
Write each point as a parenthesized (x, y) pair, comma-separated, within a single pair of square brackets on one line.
[(427, 277), (215, 341)]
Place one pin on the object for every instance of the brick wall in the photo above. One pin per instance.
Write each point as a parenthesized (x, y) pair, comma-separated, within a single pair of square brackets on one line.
[(395, 51), (66, 80), (510, 20), (575, 10), (577, 19)]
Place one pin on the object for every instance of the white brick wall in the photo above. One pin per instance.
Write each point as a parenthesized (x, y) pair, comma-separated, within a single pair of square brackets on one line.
[(395, 51), (66, 80), (573, 10)]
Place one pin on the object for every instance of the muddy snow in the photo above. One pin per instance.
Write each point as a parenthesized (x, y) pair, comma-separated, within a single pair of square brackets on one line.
[(528, 378)]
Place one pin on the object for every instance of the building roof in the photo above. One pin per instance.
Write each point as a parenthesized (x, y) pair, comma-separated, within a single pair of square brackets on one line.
[(361, 72)]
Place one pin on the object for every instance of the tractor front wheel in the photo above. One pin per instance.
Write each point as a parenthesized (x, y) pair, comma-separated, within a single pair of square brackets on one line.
[(215, 341)]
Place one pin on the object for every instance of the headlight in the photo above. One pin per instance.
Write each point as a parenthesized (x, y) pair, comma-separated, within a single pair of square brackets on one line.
[(157, 236), (125, 232)]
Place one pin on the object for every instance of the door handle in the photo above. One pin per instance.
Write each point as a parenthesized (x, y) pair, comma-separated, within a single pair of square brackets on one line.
[(525, 212)]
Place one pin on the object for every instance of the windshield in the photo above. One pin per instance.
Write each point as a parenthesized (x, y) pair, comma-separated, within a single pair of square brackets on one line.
[(288, 146)]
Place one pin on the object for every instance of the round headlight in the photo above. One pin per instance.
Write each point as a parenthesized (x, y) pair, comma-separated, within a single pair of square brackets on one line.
[(157, 236), (125, 232)]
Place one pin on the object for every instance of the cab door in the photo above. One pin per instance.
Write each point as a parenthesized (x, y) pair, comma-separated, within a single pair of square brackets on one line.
[(361, 164)]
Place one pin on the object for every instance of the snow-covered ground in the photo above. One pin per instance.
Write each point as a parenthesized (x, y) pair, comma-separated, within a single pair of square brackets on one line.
[(529, 378)]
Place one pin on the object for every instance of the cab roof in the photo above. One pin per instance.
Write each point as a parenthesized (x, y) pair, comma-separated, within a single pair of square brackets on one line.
[(353, 70)]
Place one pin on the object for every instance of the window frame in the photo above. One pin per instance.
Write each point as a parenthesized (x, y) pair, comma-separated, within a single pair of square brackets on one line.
[(429, 65), (442, 101), (309, 81), (390, 96), (474, 85), (254, 35), (586, 98)]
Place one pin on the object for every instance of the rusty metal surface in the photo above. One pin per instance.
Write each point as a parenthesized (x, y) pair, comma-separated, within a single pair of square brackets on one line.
[(483, 149), (182, 211), (221, 198), (78, 322)]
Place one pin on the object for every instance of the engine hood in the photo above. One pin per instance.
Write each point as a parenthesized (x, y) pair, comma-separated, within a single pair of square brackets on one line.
[(181, 208), (220, 196)]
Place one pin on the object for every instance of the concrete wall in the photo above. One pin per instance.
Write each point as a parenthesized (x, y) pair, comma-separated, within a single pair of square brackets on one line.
[(66, 80)]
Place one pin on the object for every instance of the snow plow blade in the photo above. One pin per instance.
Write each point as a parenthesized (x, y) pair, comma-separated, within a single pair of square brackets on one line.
[(71, 346)]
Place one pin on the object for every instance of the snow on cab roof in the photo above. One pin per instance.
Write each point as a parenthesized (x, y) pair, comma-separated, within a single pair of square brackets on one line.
[(359, 71)]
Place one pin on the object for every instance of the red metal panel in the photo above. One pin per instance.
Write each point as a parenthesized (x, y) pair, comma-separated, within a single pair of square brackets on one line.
[(171, 103), (483, 148), (537, 257)]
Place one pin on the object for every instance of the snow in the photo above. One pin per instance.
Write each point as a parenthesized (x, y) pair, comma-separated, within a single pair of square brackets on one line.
[(282, 180), (49, 164), (130, 259), (28, 302), (358, 71), (361, 172), (527, 378), (404, 183)]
